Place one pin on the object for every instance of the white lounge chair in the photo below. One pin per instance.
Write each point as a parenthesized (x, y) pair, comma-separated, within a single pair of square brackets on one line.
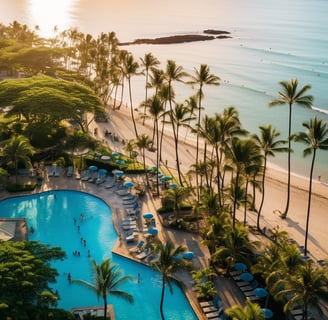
[(70, 171), (57, 172), (51, 171), (143, 254), (138, 247)]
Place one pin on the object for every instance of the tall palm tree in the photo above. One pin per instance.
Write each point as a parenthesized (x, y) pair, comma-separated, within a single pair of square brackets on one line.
[(173, 72), (202, 77), (305, 287), (107, 280), (16, 149), (143, 142), (243, 153), (166, 264), (179, 117), (130, 67), (316, 138), (290, 96), (269, 145), (252, 311), (148, 62)]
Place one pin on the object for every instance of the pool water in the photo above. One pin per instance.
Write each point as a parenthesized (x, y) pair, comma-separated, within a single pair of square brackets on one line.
[(67, 218)]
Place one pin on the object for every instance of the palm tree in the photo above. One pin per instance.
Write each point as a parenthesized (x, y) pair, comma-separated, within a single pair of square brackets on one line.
[(315, 137), (289, 95), (202, 77), (166, 264), (179, 117), (148, 62), (243, 153), (269, 145), (107, 279), (143, 142), (306, 286), (252, 311), (16, 149), (130, 68)]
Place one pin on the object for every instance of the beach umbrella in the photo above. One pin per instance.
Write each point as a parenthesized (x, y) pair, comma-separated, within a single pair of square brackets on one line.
[(173, 186), (260, 292), (154, 168), (153, 231), (178, 256), (166, 178), (148, 215), (93, 168), (246, 276), (105, 158), (240, 266), (118, 173), (128, 184), (188, 255), (115, 154), (120, 161), (268, 314), (102, 171)]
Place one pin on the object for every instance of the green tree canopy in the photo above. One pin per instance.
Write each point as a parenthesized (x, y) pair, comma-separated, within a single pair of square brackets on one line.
[(25, 274), (48, 100)]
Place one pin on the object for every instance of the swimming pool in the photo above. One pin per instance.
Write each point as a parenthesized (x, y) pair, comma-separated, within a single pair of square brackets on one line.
[(66, 218)]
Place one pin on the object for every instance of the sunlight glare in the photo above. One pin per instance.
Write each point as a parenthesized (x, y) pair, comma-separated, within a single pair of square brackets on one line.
[(50, 14)]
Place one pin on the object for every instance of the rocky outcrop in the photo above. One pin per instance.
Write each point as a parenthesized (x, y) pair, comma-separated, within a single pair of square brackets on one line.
[(209, 34)]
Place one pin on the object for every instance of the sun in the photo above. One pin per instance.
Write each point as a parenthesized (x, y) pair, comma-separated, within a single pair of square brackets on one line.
[(49, 15)]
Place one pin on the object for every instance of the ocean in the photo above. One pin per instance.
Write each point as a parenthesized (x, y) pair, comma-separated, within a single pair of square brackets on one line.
[(271, 41)]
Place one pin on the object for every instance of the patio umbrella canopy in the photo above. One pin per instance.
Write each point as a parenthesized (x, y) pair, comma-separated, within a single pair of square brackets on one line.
[(173, 186), (128, 184), (102, 171), (188, 255), (166, 178), (148, 215), (115, 154), (268, 314), (105, 158), (153, 231), (240, 266), (246, 276), (260, 292), (93, 168), (118, 173)]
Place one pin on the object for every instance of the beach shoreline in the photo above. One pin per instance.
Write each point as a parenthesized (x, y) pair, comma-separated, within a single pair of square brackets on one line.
[(120, 124)]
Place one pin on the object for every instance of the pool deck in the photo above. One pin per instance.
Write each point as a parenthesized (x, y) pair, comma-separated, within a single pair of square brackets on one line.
[(228, 291)]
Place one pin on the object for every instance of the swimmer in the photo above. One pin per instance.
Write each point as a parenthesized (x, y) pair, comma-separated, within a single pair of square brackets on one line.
[(32, 229)]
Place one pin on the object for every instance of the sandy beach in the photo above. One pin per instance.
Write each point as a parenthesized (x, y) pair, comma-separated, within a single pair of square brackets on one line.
[(120, 124)]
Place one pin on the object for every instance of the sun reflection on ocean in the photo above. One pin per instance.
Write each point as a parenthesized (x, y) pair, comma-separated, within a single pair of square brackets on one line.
[(49, 15)]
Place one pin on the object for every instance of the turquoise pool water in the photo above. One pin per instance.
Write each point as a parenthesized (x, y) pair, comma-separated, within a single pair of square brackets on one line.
[(67, 218)]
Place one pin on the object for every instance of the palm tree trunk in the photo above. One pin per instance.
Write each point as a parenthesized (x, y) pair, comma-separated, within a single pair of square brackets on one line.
[(262, 199), (245, 204), (309, 204), (177, 154), (105, 307), (235, 201), (162, 299), (132, 113), (284, 215)]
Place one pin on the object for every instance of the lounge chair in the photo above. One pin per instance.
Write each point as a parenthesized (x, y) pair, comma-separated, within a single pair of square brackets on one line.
[(205, 304), (143, 254), (234, 273), (70, 171), (51, 171), (254, 284), (138, 247), (210, 309), (213, 315), (86, 175), (57, 171), (132, 226)]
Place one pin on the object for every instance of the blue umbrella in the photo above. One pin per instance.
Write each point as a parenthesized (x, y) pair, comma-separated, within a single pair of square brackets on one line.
[(166, 178), (188, 255), (267, 313), (240, 266), (260, 292), (128, 184), (178, 256), (102, 171), (153, 231), (118, 173), (173, 186), (120, 161), (115, 154), (246, 276), (93, 168), (148, 215)]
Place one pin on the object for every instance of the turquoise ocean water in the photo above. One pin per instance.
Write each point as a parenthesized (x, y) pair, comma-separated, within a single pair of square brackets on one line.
[(271, 41)]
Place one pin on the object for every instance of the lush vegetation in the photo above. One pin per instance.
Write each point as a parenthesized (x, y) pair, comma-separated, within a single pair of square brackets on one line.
[(74, 75)]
